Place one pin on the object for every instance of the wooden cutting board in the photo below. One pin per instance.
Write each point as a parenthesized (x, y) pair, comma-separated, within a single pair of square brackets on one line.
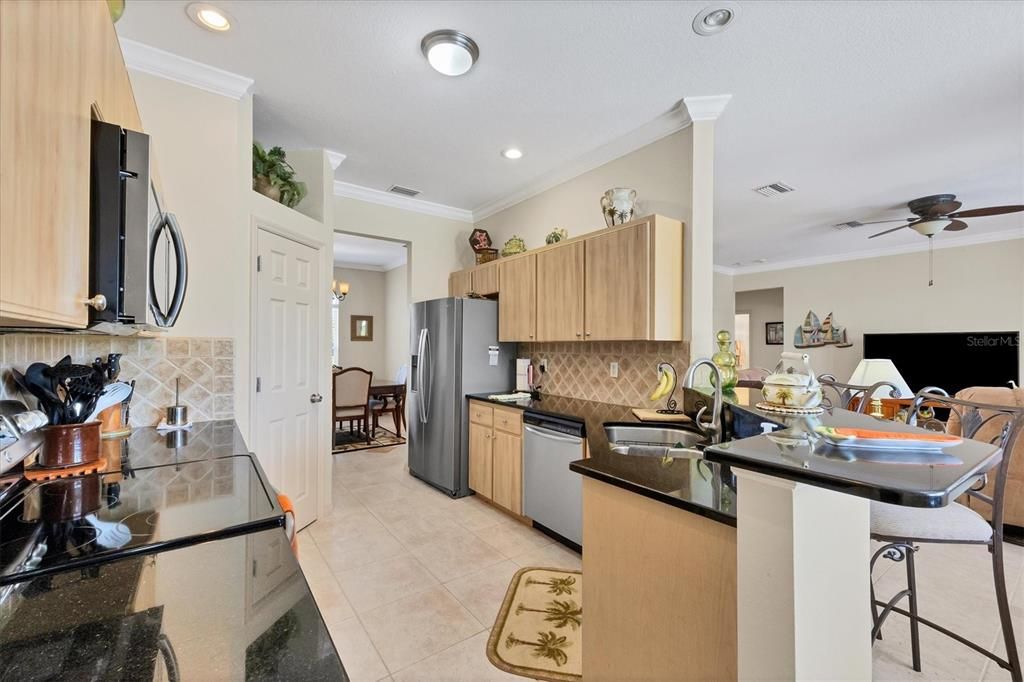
[(646, 415)]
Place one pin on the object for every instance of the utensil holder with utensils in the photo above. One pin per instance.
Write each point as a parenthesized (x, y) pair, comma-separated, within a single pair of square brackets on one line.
[(67, 445)]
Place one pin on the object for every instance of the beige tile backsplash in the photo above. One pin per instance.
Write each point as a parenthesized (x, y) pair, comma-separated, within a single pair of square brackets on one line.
[(580, 369), (205, 366)]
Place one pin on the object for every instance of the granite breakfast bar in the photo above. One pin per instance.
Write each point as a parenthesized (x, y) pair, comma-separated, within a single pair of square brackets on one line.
[(749, 563)]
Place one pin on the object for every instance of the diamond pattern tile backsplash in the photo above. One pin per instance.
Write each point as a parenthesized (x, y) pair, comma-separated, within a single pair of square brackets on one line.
[(205, 366), (580, 369)]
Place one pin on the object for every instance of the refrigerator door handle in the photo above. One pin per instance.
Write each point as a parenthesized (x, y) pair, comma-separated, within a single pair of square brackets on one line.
[(424, 373), (417, 378)]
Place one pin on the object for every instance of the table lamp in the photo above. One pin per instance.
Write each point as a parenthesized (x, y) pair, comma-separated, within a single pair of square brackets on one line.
[(869, 372)]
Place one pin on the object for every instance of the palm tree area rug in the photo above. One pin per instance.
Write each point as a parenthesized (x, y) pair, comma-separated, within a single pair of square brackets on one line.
[(347, 441), (539, 630)]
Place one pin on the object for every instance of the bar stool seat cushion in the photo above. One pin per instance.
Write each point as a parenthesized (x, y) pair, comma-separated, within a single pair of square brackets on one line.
[(954, 522)]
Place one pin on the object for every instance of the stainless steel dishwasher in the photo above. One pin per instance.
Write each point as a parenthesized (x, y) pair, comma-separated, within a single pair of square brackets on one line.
[(553, 495)]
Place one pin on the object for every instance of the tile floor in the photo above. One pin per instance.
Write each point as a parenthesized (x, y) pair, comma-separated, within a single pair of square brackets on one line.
[(409, 582)]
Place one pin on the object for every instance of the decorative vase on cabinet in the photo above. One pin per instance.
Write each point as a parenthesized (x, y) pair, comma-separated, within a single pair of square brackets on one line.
[(618, 204)]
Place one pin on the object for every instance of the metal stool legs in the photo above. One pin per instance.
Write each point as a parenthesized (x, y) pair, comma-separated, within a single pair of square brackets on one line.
[(906, 551)]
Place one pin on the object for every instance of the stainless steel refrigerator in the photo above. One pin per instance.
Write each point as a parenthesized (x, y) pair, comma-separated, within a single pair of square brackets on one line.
[(455, 351)]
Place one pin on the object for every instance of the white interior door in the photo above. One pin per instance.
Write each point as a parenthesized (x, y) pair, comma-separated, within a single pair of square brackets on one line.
[(287, 403)]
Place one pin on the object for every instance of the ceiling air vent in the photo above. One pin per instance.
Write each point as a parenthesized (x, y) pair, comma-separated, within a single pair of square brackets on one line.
[(404, 191), (773, 189)]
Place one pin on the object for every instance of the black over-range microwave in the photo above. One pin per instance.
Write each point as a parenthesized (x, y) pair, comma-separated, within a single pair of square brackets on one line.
[(138, 269)]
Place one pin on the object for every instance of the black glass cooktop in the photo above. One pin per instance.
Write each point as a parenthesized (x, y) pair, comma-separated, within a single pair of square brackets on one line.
[(81, 521)]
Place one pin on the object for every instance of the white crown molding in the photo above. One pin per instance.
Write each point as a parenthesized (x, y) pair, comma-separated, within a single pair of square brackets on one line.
[(707, 107), (670, 122), (376, 196), (335, 158), (157, 62), (949, 243), (390, 265)]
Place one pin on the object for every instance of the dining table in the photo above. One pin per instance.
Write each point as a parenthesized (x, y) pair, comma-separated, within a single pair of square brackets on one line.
[(382, 389)]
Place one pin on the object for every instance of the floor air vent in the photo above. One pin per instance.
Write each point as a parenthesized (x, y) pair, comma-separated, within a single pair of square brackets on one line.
[(404, 191), (773, 189)]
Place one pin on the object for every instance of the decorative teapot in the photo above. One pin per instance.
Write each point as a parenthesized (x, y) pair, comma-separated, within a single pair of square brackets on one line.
[(788, 387), (617, 204)]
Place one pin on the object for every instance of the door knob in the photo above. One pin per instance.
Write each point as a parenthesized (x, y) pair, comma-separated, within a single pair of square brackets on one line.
[(316, 398), (99, 302)]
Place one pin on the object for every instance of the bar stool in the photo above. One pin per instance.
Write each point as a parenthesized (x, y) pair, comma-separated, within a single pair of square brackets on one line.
[(846, 393), (903, 529)]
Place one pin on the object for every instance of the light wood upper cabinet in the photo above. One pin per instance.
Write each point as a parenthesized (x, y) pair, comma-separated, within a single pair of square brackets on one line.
[(460, 283), (618, 284), (517, 319), (57, 59), (507, 485), (485, 279), (480, 458), (560, 293)]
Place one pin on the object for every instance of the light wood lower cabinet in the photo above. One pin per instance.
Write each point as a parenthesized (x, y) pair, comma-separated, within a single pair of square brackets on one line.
[(57, 60), (481, 458), (507, 482), (517, 300), (660, 590), (560, 293), (496, 454)]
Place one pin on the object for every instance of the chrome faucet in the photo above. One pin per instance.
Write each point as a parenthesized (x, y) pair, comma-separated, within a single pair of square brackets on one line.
[(712, 429)]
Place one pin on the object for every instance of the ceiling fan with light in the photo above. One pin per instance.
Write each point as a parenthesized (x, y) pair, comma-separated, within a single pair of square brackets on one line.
[(938, 213)]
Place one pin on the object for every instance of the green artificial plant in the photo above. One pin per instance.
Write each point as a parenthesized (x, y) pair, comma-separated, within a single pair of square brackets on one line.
[(274, 177)]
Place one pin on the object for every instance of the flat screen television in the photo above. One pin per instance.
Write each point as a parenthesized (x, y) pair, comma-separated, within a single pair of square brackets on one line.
[(950, 360)]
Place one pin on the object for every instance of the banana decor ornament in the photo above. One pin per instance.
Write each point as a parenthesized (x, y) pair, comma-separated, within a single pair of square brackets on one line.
[(666, 387)]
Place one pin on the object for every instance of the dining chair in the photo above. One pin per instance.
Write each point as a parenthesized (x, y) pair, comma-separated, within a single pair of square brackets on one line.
[(904, 529), (352, 398), (394, 403)]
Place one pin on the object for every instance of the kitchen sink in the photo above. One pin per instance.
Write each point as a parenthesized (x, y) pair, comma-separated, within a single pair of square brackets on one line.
[(654, 440)]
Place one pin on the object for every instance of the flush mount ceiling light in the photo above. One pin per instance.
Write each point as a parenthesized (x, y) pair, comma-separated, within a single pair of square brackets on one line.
[(208, 16), (512, 153), (714, 19), (450, 52)]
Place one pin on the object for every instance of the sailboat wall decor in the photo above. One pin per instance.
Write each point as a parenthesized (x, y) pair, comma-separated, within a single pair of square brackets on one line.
[(813, 333)]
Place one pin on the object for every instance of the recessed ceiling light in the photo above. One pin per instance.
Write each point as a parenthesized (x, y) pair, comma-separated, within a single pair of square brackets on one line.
[(714, 19), (208, 16), (761, 260), (512, 153), (450, 52)]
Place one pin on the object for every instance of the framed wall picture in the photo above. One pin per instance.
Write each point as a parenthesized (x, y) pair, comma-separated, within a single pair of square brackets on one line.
[(773, 333), (361, 327)]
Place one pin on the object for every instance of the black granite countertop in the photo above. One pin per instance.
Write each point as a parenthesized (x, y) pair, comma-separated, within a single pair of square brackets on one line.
[(173, 565), (708, 487), (796, 453), (159, 498), (698, 486), (236, 608)]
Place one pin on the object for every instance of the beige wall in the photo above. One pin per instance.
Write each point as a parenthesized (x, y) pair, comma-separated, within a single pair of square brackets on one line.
[(724, 303), (763, 305), (977, 288), (201, 144), (366, 297), (396, 316), (437, 246), (660, 173)]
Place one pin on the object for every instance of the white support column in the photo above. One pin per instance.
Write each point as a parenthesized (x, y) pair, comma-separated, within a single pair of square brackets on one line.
[(803, 584), (699, 246)]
